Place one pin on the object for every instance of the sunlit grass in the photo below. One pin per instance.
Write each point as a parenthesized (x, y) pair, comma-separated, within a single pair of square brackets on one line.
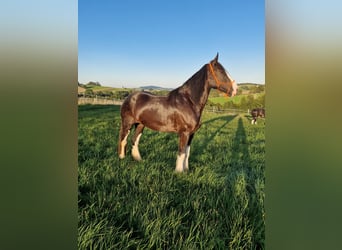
[(236, 99), (126, 204)]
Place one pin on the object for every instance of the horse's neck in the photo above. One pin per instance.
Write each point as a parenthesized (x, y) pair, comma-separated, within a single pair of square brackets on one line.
[(196, 89)]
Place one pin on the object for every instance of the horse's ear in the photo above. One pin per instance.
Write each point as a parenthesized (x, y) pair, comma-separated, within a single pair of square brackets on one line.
[(216, 57), (215, 60)]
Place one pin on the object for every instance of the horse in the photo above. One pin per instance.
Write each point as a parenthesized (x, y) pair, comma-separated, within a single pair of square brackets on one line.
[(257, 112), (178, 112)]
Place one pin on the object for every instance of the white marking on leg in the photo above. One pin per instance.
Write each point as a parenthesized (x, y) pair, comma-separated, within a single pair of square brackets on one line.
[(135, 149), (123, 145), (186, 162), (180, 163)]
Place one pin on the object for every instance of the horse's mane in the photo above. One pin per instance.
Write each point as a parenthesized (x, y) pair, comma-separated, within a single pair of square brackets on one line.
[(195, 88)]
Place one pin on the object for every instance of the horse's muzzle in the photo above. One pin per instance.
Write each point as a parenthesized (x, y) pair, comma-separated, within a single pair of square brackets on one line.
[(234, 89)]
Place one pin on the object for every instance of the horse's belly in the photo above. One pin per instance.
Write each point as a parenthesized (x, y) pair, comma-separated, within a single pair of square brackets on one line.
[(168, 123), (162, 127), (159, 116)]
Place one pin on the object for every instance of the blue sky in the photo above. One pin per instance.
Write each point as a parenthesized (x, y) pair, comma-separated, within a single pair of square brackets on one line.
[(133, 43)]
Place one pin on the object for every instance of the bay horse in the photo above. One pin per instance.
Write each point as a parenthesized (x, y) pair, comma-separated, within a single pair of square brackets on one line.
[(178, 112), (257, 112)]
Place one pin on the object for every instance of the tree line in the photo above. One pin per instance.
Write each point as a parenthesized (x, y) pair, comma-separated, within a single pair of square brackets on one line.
[(246, 102)]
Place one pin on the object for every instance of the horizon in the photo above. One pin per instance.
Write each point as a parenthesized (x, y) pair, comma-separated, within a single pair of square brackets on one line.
[(156, 86)]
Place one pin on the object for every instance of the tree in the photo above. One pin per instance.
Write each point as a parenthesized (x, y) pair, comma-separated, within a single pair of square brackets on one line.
[(260, 101), (228, 105), (89, 93), (93, 83), (121, 94), (250, 102), (243, 103)]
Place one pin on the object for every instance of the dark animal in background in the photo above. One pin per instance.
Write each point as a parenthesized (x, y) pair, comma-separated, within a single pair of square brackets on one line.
[(257, 112), (178, 112)]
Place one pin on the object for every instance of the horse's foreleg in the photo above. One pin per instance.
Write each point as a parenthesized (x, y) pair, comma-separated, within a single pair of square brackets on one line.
[(135, 141), (182, 150), (124, 131)]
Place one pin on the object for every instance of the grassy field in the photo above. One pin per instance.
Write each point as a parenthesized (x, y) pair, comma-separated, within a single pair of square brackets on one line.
[(218, 204), (236, 99)]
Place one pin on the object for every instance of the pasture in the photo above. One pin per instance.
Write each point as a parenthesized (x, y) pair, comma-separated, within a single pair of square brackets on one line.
[(124, 204), (236, 99)]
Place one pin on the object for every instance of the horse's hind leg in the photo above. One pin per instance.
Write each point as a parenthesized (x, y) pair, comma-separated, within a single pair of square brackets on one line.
[(135, 141), (124, 132), (187, 153), (182, 152)]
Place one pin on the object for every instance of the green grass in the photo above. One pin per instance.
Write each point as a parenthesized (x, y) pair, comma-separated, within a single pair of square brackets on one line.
[(125, 204), (223, 99), (236, 99)]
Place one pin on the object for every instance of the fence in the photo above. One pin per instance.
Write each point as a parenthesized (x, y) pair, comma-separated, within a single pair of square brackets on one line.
[(226, 111), (112, 101), (99, 101)]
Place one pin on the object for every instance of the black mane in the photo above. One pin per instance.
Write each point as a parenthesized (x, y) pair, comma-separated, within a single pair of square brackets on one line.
[(195, 88)]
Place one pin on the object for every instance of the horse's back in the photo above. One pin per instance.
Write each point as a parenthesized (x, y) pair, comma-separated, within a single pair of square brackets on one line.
[(132, 99)]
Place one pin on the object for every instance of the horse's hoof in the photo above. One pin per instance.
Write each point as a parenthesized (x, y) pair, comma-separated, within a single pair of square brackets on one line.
[(179, 170), (137, 158)]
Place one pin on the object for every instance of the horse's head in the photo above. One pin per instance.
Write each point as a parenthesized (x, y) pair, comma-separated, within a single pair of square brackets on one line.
[(220, 79)]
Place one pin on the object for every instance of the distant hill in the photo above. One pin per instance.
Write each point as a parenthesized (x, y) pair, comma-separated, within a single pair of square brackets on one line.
[(248, 83), (242, 85), (153, 87), (81, 90), (250, 88), (95, 89)]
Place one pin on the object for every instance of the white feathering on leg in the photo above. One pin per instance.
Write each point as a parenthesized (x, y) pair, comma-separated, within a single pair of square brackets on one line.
[(123, 145), (135, 149), (180, 163), (187, 154)]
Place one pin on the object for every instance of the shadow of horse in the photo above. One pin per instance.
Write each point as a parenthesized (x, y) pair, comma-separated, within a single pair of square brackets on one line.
[(237, 177), (240, 146), (202, 144), (248, 180)]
